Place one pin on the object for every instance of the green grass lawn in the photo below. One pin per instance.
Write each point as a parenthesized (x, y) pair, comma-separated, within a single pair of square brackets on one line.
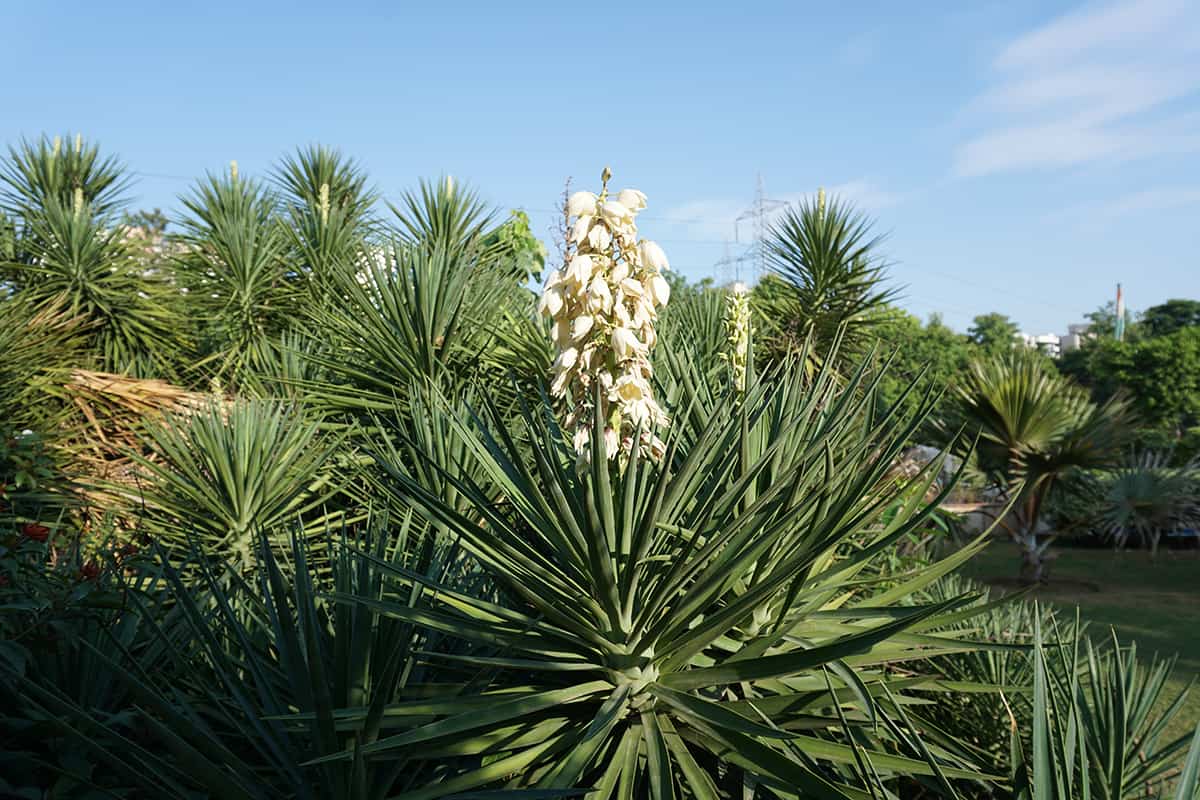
[(1155, 602)]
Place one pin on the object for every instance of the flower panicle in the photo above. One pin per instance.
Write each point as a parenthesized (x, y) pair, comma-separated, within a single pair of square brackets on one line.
[(603, 304), (737, 334)]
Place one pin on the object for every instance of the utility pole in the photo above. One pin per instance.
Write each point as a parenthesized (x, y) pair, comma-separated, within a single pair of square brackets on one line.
[(757, 214), (730, 262)]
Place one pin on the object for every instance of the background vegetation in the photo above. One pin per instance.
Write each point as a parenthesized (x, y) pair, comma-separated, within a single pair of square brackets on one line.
[(286, 511)]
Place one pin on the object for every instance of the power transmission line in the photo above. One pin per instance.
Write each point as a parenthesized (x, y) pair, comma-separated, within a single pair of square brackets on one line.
[(757, 214)]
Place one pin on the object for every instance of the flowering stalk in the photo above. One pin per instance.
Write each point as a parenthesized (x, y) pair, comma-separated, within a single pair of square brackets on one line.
[(603, 304), (737, 334)]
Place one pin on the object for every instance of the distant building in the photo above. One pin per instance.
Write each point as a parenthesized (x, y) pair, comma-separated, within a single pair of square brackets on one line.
[(1075, 336), (1048, 343), (1053, 344)]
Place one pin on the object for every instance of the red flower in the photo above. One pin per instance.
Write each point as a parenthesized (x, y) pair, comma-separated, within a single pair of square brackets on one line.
[(4, 581), (89, 571), (38, 533)]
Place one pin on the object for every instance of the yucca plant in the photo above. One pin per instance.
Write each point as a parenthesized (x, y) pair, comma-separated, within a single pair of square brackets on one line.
[(443, 214), (257, 678), (79, 263), (1036, 429), (1098, 724), (229, 473), (36, 344), (233, 264), (419, 314), (680, 628), (987, 719), (56, 170), (327, 205), (828, 280)]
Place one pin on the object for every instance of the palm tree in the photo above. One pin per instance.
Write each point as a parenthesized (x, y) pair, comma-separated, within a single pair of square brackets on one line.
[(1036, 430), (1147, 496)]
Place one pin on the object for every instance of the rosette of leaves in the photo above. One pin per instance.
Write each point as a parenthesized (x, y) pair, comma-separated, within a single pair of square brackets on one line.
[(697, 627), (223, 475)]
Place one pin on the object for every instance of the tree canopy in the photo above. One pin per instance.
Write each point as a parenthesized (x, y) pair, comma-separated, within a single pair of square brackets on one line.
[(993, 331)]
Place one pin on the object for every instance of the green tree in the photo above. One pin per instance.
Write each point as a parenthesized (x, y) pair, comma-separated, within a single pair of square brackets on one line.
[(152, 223), (1103, 322), (1163, 376), (1168, 317), (931, 352), (993, 331)]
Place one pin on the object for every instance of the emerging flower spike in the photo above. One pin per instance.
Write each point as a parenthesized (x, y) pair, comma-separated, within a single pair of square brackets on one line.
[(737, 334), (604, 303)]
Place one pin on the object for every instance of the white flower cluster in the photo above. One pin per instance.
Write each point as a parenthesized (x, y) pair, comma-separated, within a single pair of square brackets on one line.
[(737, 333), (603, 304)]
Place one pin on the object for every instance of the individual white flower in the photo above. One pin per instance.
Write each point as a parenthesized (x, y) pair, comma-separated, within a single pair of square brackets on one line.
[(581, 327), (587, 358), (560, 332), (599, 238), (551, 303), (559, 385), (581, 203), (624, 343), (630, 388), (600, 299), (632, 199), (620, 311), (616, 214), (643, 313), (652, 255), (632, 287), (579, 230), (566, 359), (620, 271), (580, 270), (658, 448), (612, 443), (658, 290), (581, 438)]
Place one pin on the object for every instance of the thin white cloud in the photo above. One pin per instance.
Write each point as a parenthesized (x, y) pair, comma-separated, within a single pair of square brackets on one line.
[(718, 219), (1117, 26), (1102, 83), (1093, 217)]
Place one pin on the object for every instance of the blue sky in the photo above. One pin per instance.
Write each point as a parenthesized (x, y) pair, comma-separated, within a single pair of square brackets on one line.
[(1021, 156)]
